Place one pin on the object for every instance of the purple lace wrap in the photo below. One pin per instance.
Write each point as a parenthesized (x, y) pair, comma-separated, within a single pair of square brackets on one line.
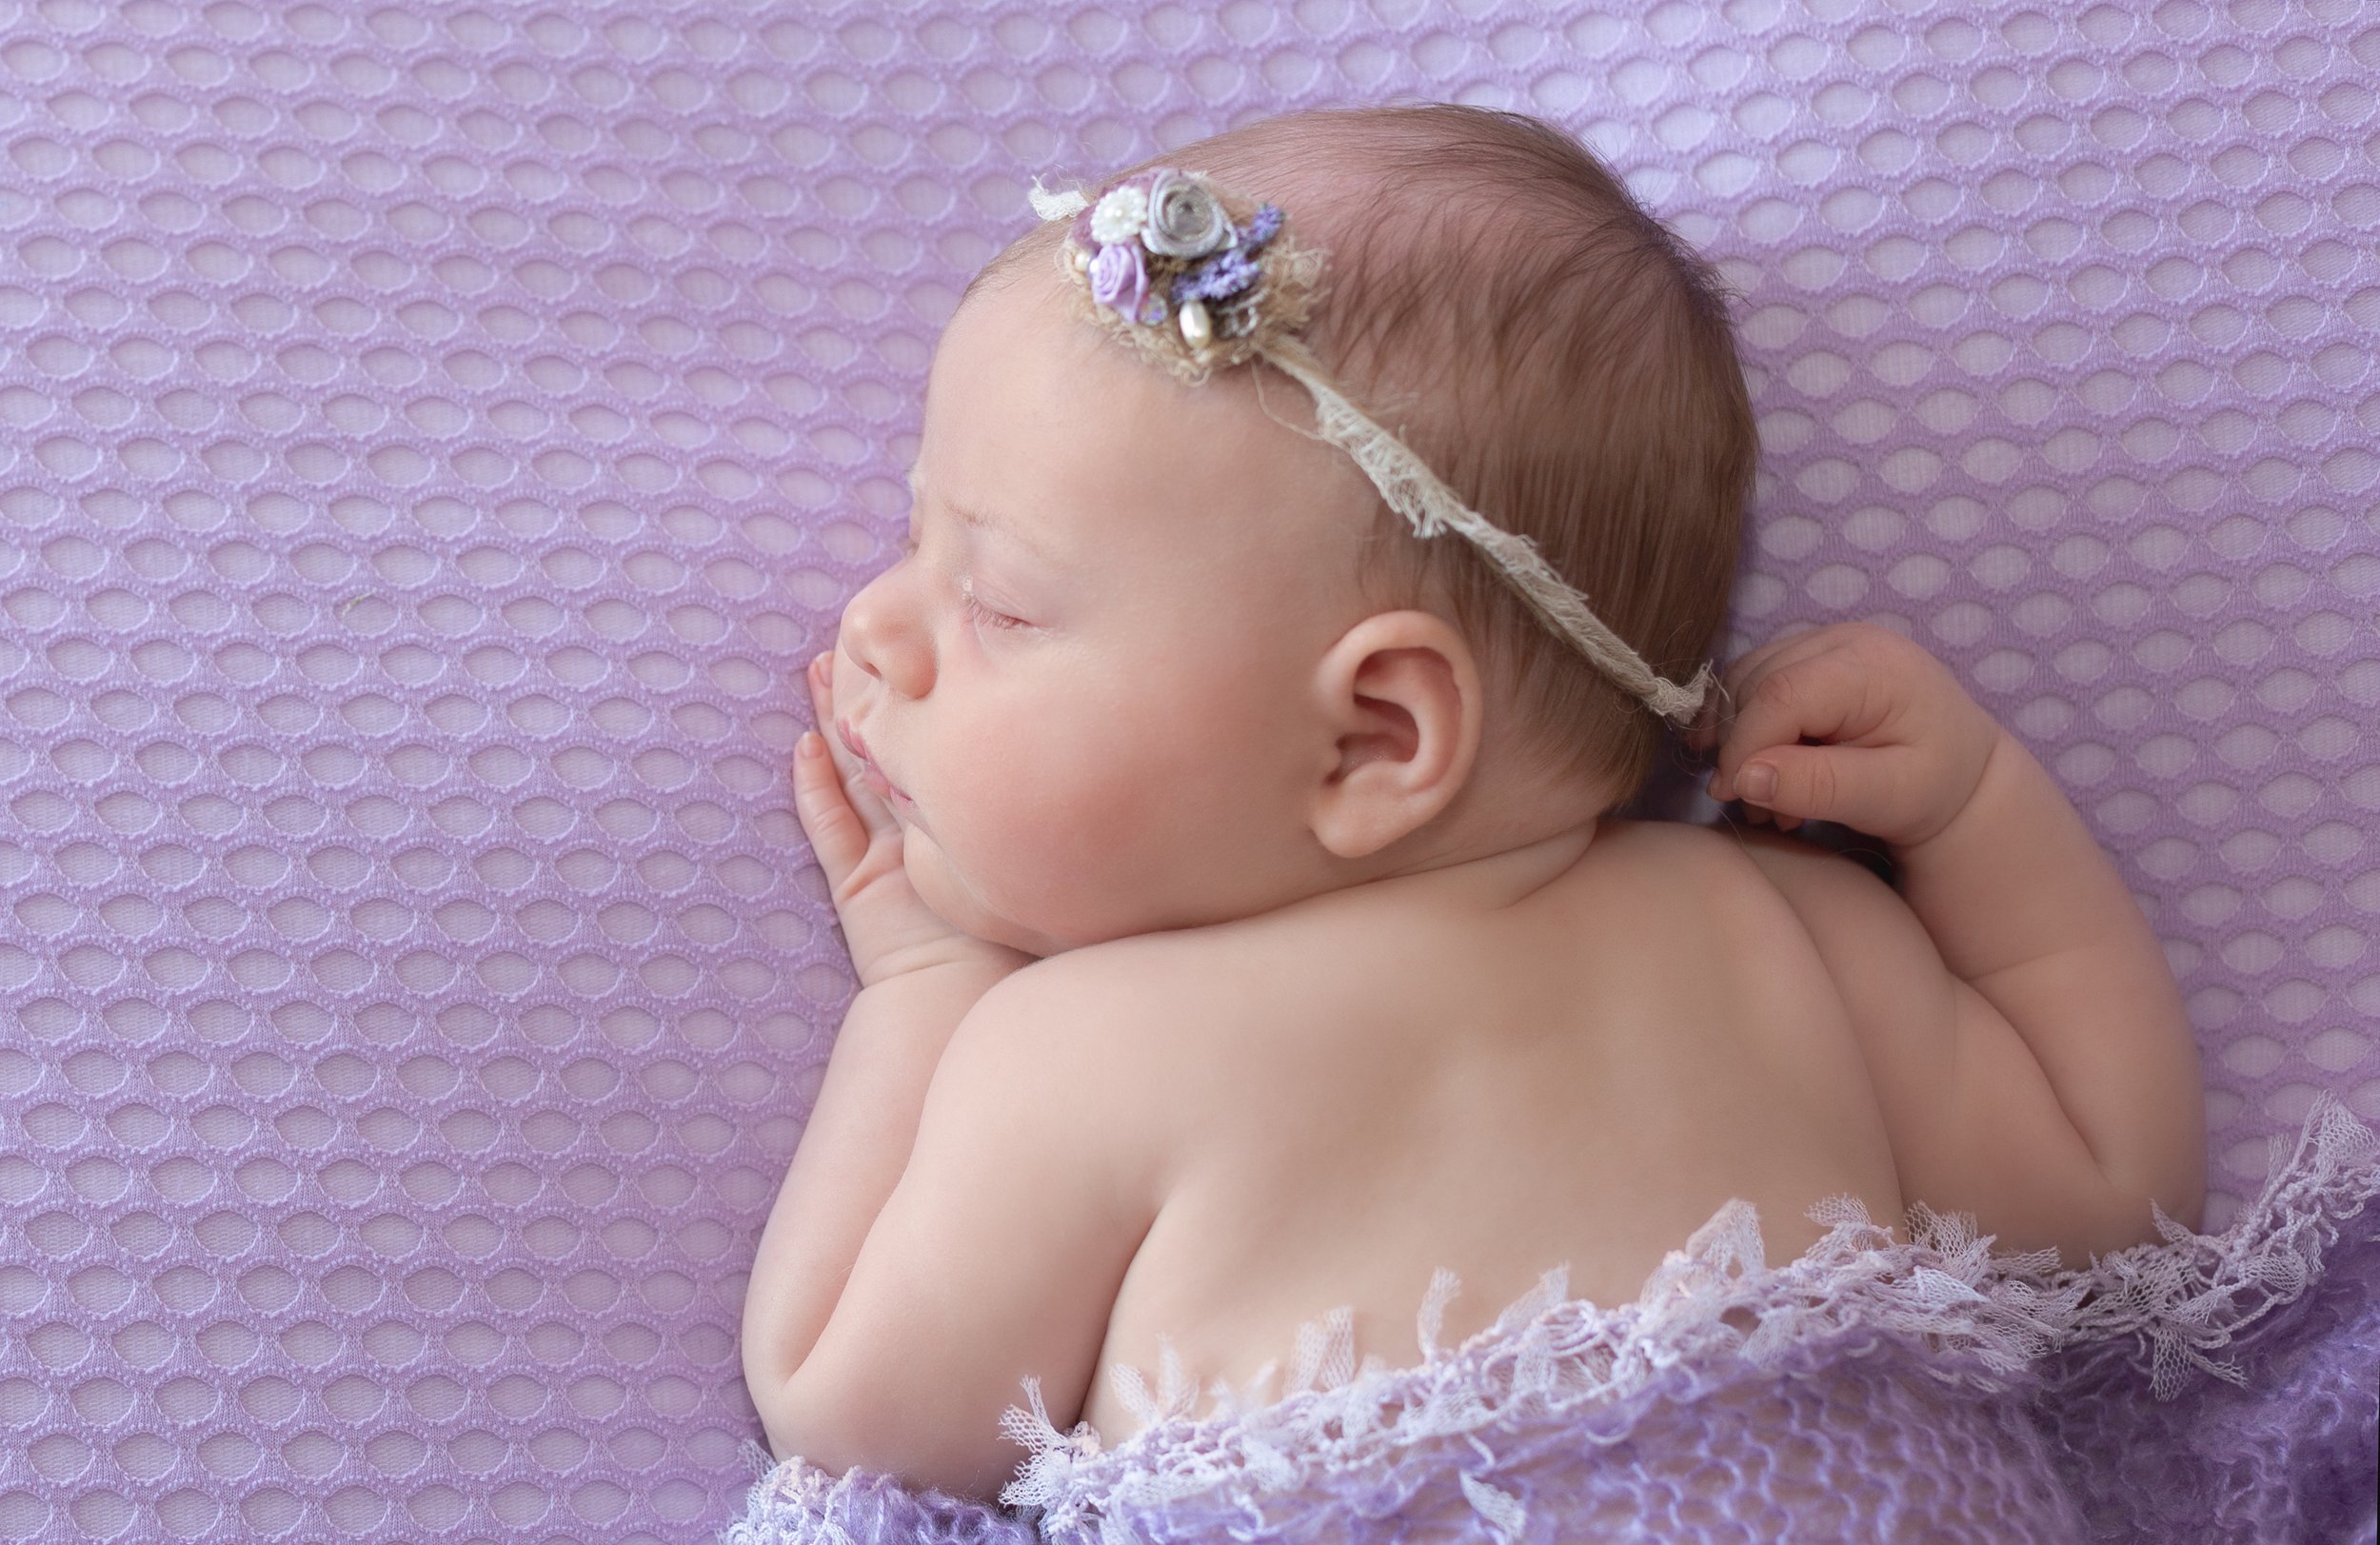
[(2197, 1389)]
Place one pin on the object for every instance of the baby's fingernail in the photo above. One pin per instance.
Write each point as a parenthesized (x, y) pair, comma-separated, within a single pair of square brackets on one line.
[(812, 746), (817, 667), (1757, 781)]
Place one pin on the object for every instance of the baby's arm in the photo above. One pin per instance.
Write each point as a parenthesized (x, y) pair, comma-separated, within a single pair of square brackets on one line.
[(2028, 1041), (970, 1190), (862, 1131), (995, 1259)]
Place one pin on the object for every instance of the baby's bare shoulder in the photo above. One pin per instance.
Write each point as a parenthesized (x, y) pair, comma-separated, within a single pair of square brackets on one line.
[(1134, 995), (1710, 871), (1141, 1039), (1655, 900), (1365, 943)]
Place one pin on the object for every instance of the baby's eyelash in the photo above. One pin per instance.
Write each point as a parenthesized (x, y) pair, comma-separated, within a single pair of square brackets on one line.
[(982, 613)]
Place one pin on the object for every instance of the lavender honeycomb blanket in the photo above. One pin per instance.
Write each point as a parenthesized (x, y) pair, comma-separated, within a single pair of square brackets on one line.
[(433, 434)]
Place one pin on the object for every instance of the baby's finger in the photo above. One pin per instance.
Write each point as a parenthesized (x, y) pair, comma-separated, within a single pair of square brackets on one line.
[(820, 677), (873, 812), (1786, 707), (1743, 676), (1870, 789), (1752, 660), (837, 834)]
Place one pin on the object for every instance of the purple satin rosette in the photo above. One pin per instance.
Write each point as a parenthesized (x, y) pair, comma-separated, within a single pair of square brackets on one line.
[(1120, 278)]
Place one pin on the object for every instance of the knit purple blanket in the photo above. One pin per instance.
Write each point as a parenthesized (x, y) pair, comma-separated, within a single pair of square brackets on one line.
[(2206, 1388)]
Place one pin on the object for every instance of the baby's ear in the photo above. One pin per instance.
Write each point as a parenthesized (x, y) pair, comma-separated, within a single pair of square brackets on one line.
[(1400, 700)]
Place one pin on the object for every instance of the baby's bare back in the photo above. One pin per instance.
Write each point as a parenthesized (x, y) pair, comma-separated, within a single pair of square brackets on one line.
[(1490, 1072)]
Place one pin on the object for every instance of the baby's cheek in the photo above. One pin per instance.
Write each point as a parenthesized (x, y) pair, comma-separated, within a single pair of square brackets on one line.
[(1068, 838), (1085, 849)]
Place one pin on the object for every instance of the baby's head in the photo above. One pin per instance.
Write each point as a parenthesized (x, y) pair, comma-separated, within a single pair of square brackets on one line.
[(1159, 658)]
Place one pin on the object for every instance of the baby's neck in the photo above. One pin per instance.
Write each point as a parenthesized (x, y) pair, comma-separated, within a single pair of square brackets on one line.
[(1498, 873)]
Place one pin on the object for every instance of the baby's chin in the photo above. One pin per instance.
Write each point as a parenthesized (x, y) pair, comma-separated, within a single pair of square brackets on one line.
[(930, 875)]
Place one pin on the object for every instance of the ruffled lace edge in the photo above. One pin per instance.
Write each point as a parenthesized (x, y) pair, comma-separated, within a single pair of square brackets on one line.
[(796, 1503), (2173, 1305)]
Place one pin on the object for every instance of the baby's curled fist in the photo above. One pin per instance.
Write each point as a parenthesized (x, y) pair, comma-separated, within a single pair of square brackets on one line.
[(1851, 724)]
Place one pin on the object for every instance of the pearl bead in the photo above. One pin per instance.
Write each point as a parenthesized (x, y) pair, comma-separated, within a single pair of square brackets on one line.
[(1196, 330)]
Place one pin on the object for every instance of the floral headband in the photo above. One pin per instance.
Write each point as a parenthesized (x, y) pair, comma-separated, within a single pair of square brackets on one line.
[(1195, 279)]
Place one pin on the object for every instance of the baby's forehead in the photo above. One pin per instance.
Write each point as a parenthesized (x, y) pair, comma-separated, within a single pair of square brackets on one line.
[(1024, 390)]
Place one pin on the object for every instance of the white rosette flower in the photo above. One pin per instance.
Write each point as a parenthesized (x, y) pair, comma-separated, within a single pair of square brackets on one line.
[(1184, 220), (1120, 215)]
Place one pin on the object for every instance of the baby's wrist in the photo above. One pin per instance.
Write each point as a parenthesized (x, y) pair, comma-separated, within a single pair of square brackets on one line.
[(1981, 773)]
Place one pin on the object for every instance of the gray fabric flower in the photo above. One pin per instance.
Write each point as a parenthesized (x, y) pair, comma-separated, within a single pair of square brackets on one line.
[(1185, 221)]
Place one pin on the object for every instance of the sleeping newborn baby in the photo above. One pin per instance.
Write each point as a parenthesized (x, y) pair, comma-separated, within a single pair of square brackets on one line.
[(1243, 925)]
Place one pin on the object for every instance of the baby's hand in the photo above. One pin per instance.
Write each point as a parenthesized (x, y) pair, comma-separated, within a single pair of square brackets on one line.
[(1853, 724), (890, 930)]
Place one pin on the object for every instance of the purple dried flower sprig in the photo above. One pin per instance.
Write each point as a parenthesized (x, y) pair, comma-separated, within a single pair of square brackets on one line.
[(1234, 269), (1219, 277)]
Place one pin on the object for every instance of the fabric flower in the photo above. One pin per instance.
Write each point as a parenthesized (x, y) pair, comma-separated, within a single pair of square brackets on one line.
[(1120, 215), (1118, 279), (1184, 220)]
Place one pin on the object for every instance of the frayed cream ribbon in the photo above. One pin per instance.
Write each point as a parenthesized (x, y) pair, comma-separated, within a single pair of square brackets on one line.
[(1414, 491)]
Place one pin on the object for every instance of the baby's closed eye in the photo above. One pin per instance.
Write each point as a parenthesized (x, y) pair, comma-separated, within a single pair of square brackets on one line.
[(988, 616), (982, 613)]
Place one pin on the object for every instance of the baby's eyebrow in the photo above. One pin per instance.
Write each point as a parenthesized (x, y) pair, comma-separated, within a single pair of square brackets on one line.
[(989, 523)]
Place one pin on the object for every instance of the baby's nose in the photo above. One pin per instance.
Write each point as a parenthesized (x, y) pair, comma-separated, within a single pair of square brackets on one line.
[(887, 641)]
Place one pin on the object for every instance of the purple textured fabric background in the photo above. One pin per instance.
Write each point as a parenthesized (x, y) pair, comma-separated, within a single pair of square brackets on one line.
[(435, 436)]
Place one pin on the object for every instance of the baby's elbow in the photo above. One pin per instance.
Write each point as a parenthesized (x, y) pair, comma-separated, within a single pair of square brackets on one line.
[(768, 1354), (884, 1429), (801, 1409), (797, 1419), (769, 1396)]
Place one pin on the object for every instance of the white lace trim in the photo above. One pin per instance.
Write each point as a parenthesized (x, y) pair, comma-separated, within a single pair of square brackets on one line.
[(1063, 204), (1430, 506), (2184, 1300)]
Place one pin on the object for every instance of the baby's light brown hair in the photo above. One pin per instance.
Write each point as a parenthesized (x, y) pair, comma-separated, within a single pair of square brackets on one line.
[(1495, 297)]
